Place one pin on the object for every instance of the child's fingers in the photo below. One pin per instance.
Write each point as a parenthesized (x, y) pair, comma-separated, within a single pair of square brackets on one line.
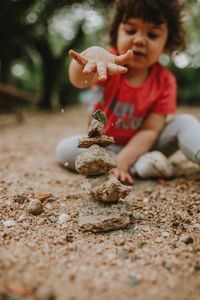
[(124, 58), (129, 178), (81, 60), (122, 177), (89, 67), (101, 71), (115, 172), (116, 69), (126, 177)]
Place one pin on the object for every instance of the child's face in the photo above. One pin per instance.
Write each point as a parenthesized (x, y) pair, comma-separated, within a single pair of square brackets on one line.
[(146, 40)]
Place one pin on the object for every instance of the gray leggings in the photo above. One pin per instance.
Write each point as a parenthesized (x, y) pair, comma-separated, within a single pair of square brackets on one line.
[(182, 132)]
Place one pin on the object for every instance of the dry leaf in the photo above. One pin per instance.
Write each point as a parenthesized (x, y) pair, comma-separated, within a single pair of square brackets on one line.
[(17, 288), (43, 197)]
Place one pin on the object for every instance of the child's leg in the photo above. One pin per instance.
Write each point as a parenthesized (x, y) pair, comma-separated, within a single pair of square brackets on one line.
[(182, 132), (67, 151)]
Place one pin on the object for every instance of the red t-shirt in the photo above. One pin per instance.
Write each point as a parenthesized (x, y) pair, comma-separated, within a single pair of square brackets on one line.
[(126, 106)]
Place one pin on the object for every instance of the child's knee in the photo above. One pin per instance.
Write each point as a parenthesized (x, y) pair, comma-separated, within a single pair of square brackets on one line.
[(61, 151), (186, 119), (67, 151)]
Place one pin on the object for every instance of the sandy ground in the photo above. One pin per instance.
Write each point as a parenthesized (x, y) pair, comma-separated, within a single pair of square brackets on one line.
[(156, 257)]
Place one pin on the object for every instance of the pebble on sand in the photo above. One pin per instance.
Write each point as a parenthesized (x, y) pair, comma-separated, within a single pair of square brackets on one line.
[(35, 207), (9, 223), (64, 218)]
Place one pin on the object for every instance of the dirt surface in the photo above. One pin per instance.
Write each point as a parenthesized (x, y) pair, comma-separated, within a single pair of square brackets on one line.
[(47, 256)]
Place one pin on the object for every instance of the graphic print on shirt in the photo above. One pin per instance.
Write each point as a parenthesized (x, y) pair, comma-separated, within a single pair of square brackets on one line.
[(123, 112), (127, 106)]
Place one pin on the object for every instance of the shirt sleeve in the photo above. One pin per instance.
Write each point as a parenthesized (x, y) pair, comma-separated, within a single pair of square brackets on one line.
[(166, 103)]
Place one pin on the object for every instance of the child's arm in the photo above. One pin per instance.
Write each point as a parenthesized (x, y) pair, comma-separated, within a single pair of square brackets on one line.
[(94, 64), (138, 145)]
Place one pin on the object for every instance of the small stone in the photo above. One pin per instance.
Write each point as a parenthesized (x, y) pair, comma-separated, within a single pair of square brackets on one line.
[(105, 187), (34, 228), (138, 217), (45, 293), (165, 234), (122, 254), (95, 160), (146, 200), (10, 296), (52, 219), (69, 238), (141, 244), (158, 240), (21, 218), (168, 266), (100, 116), (101, 216), (35, 207), (49, 206), (189, 240), (197, 267), (133, 281), (9, 223), (20, 199), (25, 225), (130, 229), (196, 225), (96, 128), (64, 218), (103, 141)]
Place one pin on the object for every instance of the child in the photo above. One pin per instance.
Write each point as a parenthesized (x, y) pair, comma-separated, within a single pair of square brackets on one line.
[(136, 92)]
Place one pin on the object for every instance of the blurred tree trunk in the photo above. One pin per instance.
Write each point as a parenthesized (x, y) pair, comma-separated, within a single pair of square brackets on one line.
[(52, 67), (14, 33), (5, 70)]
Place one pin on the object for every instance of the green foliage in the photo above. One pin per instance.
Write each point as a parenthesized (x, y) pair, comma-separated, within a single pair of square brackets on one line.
[(188, 85)]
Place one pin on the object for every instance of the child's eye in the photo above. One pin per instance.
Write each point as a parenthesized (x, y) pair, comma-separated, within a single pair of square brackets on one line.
[(130, 32), (152, 35)]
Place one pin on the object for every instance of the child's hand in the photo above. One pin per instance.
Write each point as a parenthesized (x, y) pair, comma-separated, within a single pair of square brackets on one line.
[(99, 60), (122, 175)]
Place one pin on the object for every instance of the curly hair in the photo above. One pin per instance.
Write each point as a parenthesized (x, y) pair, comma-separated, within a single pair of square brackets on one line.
[(153, 11)]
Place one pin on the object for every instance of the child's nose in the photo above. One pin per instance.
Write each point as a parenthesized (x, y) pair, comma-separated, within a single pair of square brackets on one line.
[(139, 39)]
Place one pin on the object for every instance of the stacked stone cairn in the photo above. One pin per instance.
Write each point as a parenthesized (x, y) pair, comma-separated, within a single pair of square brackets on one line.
[(104, 209)]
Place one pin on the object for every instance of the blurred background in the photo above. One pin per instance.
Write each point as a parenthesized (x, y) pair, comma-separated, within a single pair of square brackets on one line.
[(36, 36)]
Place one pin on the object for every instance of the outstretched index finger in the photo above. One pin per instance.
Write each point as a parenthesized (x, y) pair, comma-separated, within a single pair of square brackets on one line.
[(124, 58), (81, 60)]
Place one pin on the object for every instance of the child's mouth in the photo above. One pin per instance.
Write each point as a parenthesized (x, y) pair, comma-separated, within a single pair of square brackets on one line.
[(137, 53)]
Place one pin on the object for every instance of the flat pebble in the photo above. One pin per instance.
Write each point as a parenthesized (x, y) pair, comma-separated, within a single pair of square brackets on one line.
[(64, 218), (145, 200), (189, 240), (165, 234), (25, 225), (133, 281), (49, 206), (122, 254), (21, 218), (9, 223), (52, 219), (168, 266), (45, 293), (20, 198), (137, 217)]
